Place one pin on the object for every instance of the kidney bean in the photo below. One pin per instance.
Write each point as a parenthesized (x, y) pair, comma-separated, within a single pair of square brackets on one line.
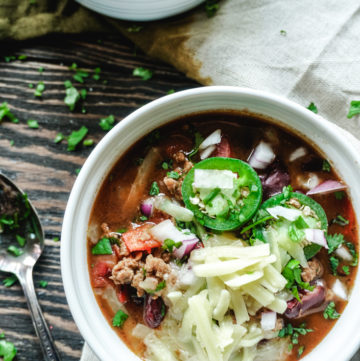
[(154, 311)]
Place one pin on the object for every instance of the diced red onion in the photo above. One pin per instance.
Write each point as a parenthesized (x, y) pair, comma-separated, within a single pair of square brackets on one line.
[(316, 236), (262, 156), (268, 321), (326, 187), (212, 139), (207, 151), (297, 153), (288, 213), (344, 254), (146, 207), (340, 290), (187, 246)]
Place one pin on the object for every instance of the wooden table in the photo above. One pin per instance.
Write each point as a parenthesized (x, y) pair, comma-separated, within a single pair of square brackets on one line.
[(47, 171)]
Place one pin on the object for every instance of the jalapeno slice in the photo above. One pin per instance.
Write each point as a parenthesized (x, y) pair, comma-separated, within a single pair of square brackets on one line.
[(279, 199), (223, 193)]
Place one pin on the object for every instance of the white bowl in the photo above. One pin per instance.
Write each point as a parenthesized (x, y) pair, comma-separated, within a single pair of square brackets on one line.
[(339, 146), (140, 10)]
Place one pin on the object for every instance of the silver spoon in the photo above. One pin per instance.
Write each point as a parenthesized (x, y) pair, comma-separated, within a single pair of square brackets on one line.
[(22, 266)]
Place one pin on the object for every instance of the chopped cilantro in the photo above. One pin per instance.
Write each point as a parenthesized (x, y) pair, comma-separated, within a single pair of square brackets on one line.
[(97, 72), (59, 137), (353, 252), (173, 175), (6, 113), (107, 123), (9, 281), (292, 273), (56, 239), (31, 85), (171, 91), (166, 165), (283, 32), (12, 142), (153, 137), (354, 108), (330, 312), (121, 230), (76, 137), (15, 251), (119, 318), (300, 351), (88, 142), (326, 167), (169, 245), (83, 93), (154, 189), (143, 218), (340, 220), (160, 286), (334, 264), (9, 58), (339, 195), (72, 95), (134, 28), (33, 124), (198, 140), (313, 108), (43, 284), (102, 247), (22, 57), (295, 234), (287, 191), (7, 350), (41, 69), (21, 240), (346, 270), (334, 241), (2, 335), (77, 170), (211, 7), (144, 74), (40, 87)]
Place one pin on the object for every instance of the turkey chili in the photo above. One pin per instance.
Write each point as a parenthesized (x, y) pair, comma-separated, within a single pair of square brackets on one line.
[(222, 236)]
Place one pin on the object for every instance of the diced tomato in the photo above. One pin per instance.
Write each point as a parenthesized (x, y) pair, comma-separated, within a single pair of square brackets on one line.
[(139, 239), (99, 272), (122, 293), (223, 149)]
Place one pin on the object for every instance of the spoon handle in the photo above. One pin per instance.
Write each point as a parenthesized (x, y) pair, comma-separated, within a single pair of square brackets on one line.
[(46, 341)]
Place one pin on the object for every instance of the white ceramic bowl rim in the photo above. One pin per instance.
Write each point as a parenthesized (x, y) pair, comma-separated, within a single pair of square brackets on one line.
[(344, 339)]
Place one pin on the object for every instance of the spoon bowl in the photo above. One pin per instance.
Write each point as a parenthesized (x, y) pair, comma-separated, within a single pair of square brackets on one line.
[(18, 215)]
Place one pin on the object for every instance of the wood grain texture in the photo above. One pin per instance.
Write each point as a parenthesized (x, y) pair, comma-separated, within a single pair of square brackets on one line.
[(45, 170)]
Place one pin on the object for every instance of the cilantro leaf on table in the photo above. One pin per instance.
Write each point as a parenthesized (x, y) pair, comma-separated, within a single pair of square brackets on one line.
[(6, 113), (76, 137), (43, 284), (21, 240), (144, 74), (72, 95), (119, 318), (33, 124), (354, 108), (7, 350), (102, 247), (9, 281), (40, 87), (107, 123)]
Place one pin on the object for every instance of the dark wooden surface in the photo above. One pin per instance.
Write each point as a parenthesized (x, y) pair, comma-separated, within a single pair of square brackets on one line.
[(45, 170)]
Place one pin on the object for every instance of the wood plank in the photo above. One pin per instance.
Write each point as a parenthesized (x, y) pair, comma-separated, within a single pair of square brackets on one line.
[(45, 170)]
